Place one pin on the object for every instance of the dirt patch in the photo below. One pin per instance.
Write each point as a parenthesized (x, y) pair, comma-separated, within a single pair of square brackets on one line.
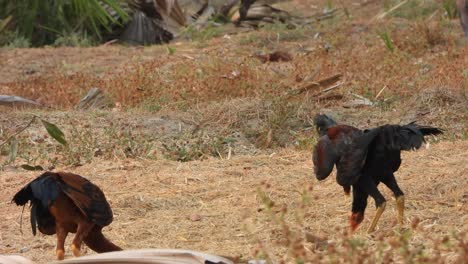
[(203, 71)]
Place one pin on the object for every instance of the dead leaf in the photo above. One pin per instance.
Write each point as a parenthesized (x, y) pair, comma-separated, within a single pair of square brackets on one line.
[(275, 56)]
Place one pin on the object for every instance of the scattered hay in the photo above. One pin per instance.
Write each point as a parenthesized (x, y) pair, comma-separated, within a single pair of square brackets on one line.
[(153, 202)]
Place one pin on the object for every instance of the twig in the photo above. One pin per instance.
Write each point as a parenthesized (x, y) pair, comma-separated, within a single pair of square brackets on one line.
[(329, 89), (384, 14), (432, 16), (381, 90), (19, 131)]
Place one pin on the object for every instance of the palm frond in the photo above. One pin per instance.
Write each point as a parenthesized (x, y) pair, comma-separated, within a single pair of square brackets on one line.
[(43, 21)]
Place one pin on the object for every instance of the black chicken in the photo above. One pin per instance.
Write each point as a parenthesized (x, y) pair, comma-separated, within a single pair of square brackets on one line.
[(363, 159)]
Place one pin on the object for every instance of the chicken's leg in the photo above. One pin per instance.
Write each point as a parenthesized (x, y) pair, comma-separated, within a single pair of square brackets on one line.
[(61, 236), (378, 213), (368, 184), (81, 232), (359, 207), (391, 183), (400, 203)]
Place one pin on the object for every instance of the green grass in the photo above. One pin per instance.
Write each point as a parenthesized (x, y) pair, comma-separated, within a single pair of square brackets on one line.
[(387, 40), (414, 9), (450, 8), (17, 42), (42, 22), (153, 105), (74, 40), (201, 35)]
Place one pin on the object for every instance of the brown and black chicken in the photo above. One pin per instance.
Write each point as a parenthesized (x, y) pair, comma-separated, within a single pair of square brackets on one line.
[(63, 203), (365, 158)]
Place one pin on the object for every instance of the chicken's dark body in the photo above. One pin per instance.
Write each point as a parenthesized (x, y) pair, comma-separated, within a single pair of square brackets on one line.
[(378, 168), (364, 159)]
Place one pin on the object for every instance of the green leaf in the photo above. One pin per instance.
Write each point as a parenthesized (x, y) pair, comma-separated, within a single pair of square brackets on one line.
[(32, 168), (54, 132), (4, 23), (91, 18), (13, 149)]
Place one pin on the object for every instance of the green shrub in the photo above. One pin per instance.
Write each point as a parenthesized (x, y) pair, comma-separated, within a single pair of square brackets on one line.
[(42, 22)]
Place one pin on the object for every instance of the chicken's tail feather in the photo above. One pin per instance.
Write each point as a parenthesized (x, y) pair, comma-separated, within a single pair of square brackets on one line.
[(23, 196), (428, 130), (407, 137), (98, 242)]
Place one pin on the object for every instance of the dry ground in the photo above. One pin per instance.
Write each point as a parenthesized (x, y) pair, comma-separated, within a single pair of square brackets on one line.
[(213, 205), (214, 96)]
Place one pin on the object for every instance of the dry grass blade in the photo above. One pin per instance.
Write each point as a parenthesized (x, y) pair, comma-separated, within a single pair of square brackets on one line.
[(380, 92), (384, 14)]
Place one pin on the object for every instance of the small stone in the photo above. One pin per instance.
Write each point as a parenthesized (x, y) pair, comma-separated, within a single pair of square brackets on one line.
[(195, 217), (24, 249)]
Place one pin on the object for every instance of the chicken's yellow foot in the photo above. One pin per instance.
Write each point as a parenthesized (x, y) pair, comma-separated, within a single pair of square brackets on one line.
[(400, 203), (75, 250), (60, 254), (378, 213)]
